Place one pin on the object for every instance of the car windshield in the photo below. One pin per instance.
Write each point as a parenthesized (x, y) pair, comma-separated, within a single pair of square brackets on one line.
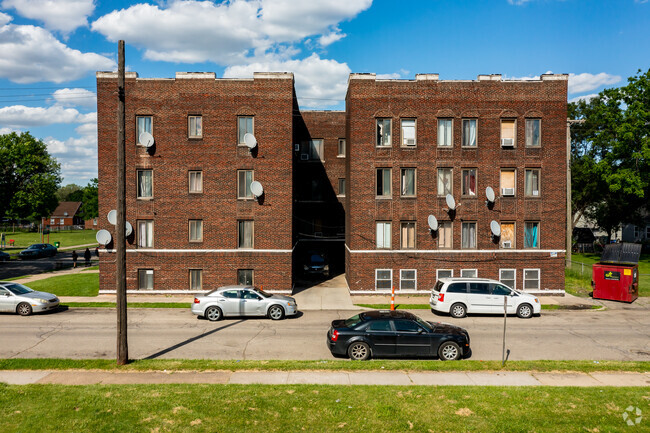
[(353, 321), (424, 324), (34, 247), (262, 292), (316, 259), (17, 289)]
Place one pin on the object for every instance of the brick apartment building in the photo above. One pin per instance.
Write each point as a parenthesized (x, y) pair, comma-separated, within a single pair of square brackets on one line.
[(358, 185)]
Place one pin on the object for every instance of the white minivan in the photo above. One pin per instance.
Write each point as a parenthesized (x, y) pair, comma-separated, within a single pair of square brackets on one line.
[(460, 296)]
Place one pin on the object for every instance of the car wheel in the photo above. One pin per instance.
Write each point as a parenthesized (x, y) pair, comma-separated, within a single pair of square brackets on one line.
[(458, 311), (449, 351), (24, 309), (359, 351), (276, 312), (213, 314), (525, 311)]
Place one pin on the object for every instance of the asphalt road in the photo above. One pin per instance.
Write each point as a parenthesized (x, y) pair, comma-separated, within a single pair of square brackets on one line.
[(176, 333), (63, 259)]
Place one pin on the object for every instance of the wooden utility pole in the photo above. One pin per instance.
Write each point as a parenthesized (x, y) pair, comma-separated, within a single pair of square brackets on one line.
[(120, 242)]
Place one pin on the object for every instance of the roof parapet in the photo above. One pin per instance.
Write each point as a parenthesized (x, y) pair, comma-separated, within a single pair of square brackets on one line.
[(196, 75), (556, 77), (113, 74), (427, 77), (363, 76), (490, 77), (273, 75)]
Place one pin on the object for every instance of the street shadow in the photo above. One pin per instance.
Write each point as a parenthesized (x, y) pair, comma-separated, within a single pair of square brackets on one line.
[(191, 340)]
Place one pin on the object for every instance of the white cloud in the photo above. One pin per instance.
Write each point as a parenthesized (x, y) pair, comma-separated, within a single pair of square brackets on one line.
[(20, 116), (62, 15), (77, 155), (31, 54), (75, 97), (518, 2), (319, 82), (332, 37), (4, 131), (5, 19), (585, 82), (583, 98)]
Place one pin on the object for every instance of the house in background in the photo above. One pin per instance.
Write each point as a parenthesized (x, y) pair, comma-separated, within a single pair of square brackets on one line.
[(65, 217)]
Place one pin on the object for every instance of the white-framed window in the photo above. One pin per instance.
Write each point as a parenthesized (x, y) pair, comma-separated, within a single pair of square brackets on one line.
[(533, 132), (196, 279), (531, 279), (508, 135), (52, 221), (384, 132), (196, 230), (637, 232), (145, 233), (195, 181), (532, 182), (408, 182), (245, 277), (342, 186), (508, 277), (469, 182), (244, 180), (508, 183), (143, 124), (62, 221), (469, 132), (469, 273), (468, 235), (445, 181), (444, 273), (245, 234), (408, 279), (407, 234), (145, 279), (245, 125), (145, 184), (531, 234), (314, 150), (507, 239), (445, 135), (383, 279), (408, 133), (341, 148), (384, 179), (194, 126), (384, 235), (445, 234)]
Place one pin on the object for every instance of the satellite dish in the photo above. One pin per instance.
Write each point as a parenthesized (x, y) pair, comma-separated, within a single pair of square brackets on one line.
[(451, 203), (257, 189), (489, 193), (103, 237), (496, 228), (112, 217), (146, 139), (433, 223), (128, 229), (250, 141)]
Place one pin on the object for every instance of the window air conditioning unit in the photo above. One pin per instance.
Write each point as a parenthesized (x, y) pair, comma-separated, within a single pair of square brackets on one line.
[(507, 191), (304, 157), (409, 141), (296, 147), (506, 244), (507, 142), (535, 193)]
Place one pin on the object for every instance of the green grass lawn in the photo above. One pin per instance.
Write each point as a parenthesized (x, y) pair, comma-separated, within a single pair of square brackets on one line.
[(315, 408), (578, 278), (81, 284), (67, 238)]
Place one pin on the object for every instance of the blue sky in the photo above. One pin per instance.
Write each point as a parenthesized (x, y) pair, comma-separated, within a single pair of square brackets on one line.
[(52, 48)]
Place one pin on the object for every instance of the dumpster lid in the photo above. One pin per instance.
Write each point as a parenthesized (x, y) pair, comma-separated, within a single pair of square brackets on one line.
[(623, 253)]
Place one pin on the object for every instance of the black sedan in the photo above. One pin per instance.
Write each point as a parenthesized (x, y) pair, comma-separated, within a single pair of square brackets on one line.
[(4, 257), (396, 334), (38, 250)]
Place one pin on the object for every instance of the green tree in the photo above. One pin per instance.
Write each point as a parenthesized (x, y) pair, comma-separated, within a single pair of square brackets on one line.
[(90, 205), (29, 177), (70, 192)]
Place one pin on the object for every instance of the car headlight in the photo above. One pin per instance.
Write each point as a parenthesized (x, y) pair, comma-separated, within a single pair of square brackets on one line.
[(41, 300), (306, 268), (326, 267)]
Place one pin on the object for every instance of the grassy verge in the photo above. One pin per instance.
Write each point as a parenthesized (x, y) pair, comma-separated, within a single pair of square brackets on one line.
[(578, 278), (91, 268), (79, 284), (65, 238), (289, 408), (129, 304), (328, 365)]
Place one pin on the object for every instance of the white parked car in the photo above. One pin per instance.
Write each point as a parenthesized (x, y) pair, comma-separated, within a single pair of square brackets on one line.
[(16, 298), (460, 296), (243, 301)]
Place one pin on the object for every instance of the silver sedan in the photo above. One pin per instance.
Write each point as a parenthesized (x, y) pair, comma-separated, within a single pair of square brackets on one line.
[(243, 301), (16, 298)]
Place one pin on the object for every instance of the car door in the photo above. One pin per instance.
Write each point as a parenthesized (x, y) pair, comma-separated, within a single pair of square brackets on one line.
[(252, 303), (382, 337), (7, 300), (497, 295), (412, 339), (479, 298), (229, 302)]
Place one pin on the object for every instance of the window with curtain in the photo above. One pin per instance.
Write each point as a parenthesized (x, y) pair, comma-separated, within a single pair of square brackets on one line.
[(408, 132), (316, 150), (196, 230), (508, 136), (468, 235), (145, 279), (383, 182), (508, 182), (444, 273), (507, 235), (408, 182), (408, 235), (341, 148), (384, 133), (383, 235), (244, 180), (508, 277), (408, 279), (245, 277), (145, 183), (445, 181), (445, 234), (244, 126), (145, 233), (468, 273), (531, 279), (383, 279), (196, 279), (469, 181), (341, 186), (532, 183), (533, 132), (469, 132), (194, 127), (445, 132), (196, 181), (531, 234), (245, 234), (144, 124)]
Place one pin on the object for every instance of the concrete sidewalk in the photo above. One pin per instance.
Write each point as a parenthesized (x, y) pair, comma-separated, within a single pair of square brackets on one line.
[(402, 378)]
